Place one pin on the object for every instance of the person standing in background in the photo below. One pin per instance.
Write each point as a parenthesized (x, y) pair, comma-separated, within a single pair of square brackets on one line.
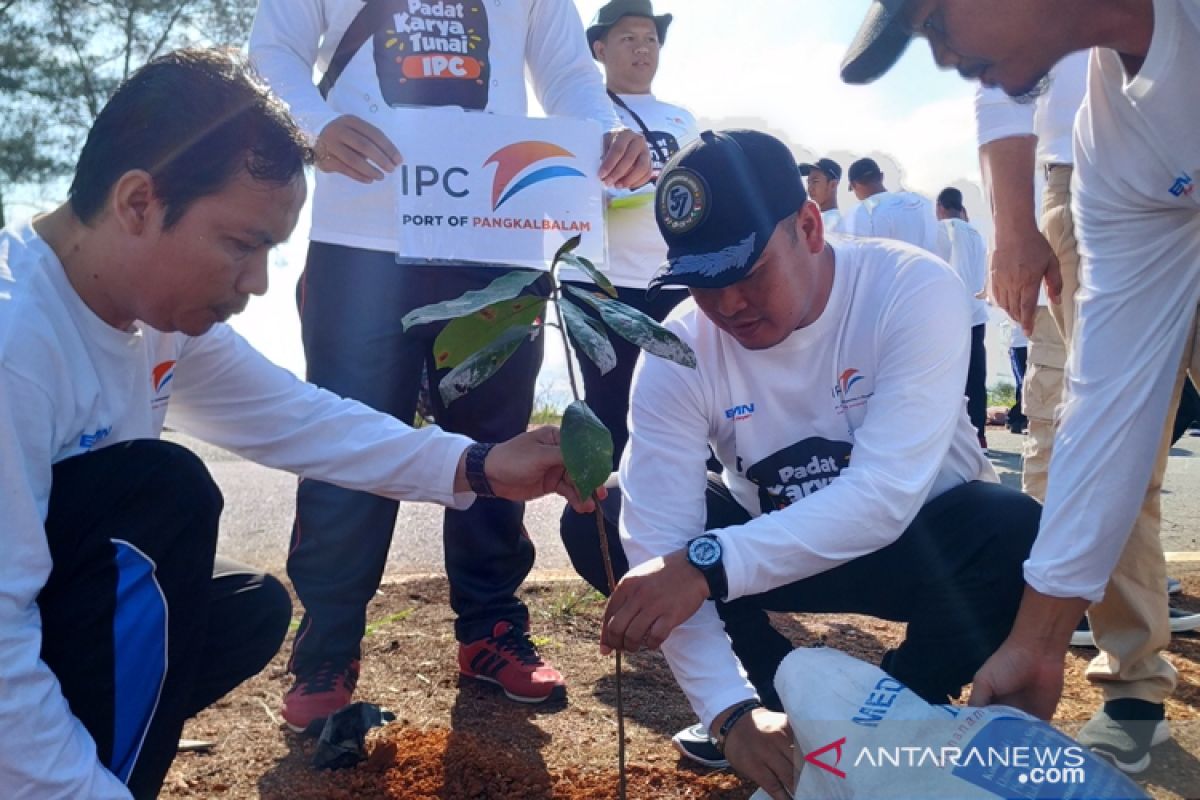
[(904, 216), (1018, 356), (822, 180), (961, 246), (626, 38), (357, 286)]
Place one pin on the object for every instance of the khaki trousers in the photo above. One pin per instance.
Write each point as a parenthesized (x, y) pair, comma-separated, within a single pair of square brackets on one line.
[(1130, 624)]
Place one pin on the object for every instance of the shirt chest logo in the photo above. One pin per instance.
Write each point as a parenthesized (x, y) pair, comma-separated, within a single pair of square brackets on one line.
[(851, 391), (1184, 186), (161, 377)]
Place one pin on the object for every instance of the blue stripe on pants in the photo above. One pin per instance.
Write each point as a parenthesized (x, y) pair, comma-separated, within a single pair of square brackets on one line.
[(140, 654)]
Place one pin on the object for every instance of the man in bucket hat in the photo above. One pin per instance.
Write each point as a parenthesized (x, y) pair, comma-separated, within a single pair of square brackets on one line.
[(612, 13), (809, 351), (626, 38)]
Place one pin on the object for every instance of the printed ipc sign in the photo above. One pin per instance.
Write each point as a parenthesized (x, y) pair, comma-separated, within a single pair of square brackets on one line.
[(496, 189)]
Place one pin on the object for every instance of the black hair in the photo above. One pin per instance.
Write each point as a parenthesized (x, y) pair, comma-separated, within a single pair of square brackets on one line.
[(951, 199), (865, 170), (193, 119)]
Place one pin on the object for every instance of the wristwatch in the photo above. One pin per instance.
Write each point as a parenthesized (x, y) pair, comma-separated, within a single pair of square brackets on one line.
[(705, 554)]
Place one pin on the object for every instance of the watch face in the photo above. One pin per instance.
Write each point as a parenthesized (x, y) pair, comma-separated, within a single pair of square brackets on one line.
[(704, 552)]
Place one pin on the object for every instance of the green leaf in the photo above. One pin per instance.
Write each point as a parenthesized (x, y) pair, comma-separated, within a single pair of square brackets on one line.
[(589, 336), (467, 335), (568, 247), (639, 329), (589, 269), (484, 364), (506, 287), (587, 448)]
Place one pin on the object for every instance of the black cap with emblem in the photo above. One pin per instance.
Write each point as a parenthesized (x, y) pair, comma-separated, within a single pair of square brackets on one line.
[(718, 203)]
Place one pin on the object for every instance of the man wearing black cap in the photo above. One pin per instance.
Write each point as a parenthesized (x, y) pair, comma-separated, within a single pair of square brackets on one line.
[(809, 351), (1137, 222), (903, 216), (822, 180)]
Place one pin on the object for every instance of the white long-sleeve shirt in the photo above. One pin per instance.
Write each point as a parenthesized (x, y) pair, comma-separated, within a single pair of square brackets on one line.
[(832, 440), (961, 246), (71, 384), (1137, 220), (498, 39), (902, 216)]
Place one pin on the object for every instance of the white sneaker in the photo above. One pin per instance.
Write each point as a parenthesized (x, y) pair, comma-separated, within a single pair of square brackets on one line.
[(1183, 621)]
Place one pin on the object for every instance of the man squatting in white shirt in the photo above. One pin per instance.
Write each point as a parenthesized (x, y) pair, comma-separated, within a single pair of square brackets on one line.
[(117, 621), (809, 351), (1137, 223)]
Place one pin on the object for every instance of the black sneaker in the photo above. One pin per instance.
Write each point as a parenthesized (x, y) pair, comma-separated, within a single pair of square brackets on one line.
[(696, 745), (1124, 731)]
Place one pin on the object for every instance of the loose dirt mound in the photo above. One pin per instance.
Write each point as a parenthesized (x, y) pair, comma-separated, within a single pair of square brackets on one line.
[(424, 765), (455, 742)]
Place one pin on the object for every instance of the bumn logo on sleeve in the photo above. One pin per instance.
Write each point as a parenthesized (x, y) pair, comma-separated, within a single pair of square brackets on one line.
[(798, 471), (436, 55)]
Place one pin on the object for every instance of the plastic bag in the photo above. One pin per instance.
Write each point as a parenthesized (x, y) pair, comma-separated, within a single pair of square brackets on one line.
[(343, 741), (861, 734)]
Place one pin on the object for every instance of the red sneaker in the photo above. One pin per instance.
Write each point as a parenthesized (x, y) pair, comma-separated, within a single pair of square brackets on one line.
[(510, 660), (317, 694)]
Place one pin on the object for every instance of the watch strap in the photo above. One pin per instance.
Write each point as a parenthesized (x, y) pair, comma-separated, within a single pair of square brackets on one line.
[(733, 719), (476, 477)]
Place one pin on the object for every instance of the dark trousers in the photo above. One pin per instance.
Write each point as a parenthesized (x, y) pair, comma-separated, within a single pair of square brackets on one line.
[(954, 576), (608, 395), (977, 381), (1188, 411), (351, 303), (1019, 358), (141, 624)]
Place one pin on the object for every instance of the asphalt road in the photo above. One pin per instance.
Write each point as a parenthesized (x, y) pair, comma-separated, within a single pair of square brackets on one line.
[(260, 502)]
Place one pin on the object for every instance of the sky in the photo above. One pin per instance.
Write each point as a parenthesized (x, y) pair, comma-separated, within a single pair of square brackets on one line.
[(770, 64)]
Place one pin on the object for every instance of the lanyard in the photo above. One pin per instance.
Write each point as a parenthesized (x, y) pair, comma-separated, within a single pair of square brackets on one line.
[(658, 146)]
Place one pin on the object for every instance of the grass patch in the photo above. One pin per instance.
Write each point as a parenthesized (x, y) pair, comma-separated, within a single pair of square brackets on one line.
[(399, 616), (1002, 394), (571, 603)]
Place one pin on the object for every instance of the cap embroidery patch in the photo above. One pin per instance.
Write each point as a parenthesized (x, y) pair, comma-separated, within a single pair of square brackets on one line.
[(683, 200)]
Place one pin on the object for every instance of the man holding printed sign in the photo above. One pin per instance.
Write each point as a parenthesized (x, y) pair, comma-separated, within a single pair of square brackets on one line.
[(626, 38), (360, 280)]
